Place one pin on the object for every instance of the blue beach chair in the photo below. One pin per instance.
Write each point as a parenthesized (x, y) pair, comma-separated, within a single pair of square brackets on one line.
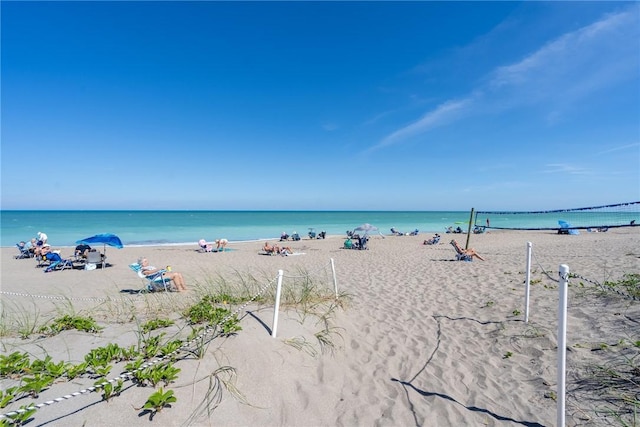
[(154, 282)]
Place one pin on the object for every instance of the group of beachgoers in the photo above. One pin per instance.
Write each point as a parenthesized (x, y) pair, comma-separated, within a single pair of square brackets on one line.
[(395, 232), (39, 248), (276, 250), (220, 245)]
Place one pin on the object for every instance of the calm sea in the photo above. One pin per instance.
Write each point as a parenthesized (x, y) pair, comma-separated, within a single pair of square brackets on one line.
[(142, 228)]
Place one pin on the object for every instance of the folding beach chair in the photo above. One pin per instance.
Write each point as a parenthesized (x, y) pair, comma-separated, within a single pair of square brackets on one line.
[(24, 251), (57, 263), (460, 256), (154, 282), (95, 258)]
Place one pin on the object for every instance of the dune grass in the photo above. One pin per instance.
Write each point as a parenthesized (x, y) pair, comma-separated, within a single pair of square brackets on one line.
[(215, 300)]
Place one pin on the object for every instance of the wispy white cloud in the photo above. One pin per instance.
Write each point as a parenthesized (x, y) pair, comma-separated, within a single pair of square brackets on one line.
[(575, 64), (444, 113), (559, 74), (565, 168), (329, 126), (622, 147)]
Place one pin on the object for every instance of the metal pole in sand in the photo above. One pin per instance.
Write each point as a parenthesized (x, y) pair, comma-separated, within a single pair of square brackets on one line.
[(277, 304)]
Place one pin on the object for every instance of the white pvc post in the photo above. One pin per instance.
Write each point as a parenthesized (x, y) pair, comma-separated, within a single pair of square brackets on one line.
[(277, 304), (527, 284), (562, 339), (335, 280)]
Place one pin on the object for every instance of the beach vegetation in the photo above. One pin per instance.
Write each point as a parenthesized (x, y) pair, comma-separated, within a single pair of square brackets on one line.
[(161, 373), (27, 320), (629, 284), (7, 396), (613, 386), (507, 355), (102, 355), (22, 417), (34, 385), (207, 311), (154, 324), (325, 338), (309, 297), (14, 364), (301, 343), (109, 388), (157, 401), (151, 346), (73, 371), (223, 378), (170, 347), (67, 322)]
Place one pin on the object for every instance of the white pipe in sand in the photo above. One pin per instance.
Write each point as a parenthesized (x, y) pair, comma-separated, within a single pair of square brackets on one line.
[(277, 305), (562, 339)]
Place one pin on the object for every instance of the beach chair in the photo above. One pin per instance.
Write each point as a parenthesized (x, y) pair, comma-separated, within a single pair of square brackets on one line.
[(57, 263), (94, 257), (204, 246), (433, 241), (361, 244), (24, 252), (155, 282), (460, 256)]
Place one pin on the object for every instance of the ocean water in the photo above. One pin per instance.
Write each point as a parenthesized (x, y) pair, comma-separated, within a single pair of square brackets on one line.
[(142, 228)]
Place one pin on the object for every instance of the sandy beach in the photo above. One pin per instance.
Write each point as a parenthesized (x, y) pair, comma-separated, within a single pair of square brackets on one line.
[(416, 338)]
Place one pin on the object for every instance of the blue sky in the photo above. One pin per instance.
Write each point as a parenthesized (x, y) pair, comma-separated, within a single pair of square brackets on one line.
[(320, 106)]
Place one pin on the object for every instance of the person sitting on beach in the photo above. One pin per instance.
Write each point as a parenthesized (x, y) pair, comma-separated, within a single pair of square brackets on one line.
[(207, 247), (285, 250), (31, 246), (284, 236), (432, 241), (43, 250), (149, 270), (348, 244), (466, 252), (268, 248), (82, 250), (221, 244)]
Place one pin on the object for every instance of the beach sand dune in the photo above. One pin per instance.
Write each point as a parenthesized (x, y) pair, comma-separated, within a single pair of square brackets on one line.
[(418, 339)]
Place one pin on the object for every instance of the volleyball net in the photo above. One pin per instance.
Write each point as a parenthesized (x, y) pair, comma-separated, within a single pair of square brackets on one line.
[(595, 218)]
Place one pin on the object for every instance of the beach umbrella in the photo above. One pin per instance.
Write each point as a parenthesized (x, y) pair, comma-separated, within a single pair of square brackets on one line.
[(105, 239), (366, 228)]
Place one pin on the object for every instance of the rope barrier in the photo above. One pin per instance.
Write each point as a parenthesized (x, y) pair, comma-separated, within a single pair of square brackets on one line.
[(593, 282), (127, 375), (54, 297)]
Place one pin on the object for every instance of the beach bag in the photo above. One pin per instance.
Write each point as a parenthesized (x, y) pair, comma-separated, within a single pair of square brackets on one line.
[(90, 266)]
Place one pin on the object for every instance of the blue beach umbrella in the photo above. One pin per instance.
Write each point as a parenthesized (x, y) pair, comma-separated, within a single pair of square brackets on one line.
[(105, 239)]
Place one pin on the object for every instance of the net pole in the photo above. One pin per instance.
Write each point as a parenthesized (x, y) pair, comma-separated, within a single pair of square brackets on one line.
[(277, 304), (562, 339), (527, 282), (469, 228)]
